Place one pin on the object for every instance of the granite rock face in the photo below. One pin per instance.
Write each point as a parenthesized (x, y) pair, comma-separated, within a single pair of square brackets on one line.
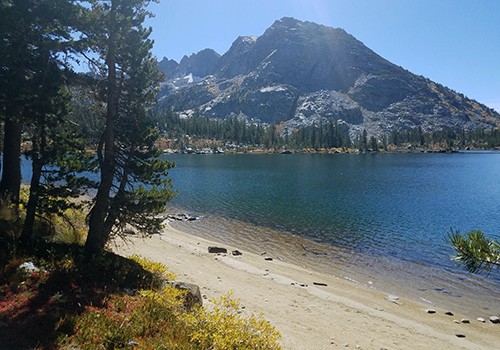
[(302, 73), (200, 64)]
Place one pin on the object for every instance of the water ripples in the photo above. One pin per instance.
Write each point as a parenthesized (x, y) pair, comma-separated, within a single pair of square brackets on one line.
[(378, 217)]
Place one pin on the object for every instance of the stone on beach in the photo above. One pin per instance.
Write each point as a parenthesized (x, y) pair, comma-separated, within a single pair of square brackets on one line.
[(217, 250), (394, 299), (320, 284), (494, 319)]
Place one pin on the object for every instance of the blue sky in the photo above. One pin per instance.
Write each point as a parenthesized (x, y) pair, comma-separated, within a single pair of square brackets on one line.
[(453, 42)]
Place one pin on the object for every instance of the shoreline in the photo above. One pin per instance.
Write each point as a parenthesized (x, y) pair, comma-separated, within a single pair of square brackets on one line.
[(310, 309), (469, 294)]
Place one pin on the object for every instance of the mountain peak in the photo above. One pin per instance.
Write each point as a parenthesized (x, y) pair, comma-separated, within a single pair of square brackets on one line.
[(302, 72)]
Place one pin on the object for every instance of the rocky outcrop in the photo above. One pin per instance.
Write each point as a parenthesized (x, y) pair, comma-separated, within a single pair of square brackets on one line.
[(199, 65), (299, 73)]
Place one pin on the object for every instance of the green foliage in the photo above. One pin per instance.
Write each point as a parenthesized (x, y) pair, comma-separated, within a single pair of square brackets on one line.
[(70, 226), (36, 37), (130, 322), (65, 225), (474, 251)]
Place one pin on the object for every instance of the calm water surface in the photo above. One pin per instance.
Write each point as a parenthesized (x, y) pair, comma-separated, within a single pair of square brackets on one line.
[(378, 219)]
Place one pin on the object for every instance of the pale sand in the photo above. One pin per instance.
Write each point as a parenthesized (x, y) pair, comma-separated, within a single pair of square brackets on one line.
[(340, 315)]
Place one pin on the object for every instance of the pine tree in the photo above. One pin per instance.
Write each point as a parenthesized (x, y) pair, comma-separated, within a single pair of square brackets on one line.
[(475, 251), (35, 35), (33, 32), (133, 187)]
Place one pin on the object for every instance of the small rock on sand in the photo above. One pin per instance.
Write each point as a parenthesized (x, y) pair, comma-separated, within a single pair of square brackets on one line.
[(393, 298), (320, 284), (216, 250), (494, 319), (430, 311)]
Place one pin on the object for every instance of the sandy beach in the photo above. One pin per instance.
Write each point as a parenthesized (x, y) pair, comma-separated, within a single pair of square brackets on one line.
[(311, 310)]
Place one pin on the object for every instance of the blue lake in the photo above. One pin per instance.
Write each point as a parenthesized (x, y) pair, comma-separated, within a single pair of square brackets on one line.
[(384, 216), (379, 220)]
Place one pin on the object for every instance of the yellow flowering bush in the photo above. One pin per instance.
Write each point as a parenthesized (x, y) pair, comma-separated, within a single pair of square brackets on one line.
[(153, 267), (223, 327)]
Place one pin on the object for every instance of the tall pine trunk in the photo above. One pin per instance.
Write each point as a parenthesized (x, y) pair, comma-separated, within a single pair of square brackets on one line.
[(10, 186), (32, 205), (39, 145), (98, 231)]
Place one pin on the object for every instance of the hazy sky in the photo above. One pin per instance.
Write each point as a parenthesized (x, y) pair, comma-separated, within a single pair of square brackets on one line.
[(453, 42)]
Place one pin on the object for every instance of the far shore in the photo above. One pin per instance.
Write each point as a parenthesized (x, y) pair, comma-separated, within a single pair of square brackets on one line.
[(415, 150), (311, 310)]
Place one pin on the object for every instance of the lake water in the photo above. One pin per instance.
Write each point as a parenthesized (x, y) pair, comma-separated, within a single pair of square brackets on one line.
[(377, 219)]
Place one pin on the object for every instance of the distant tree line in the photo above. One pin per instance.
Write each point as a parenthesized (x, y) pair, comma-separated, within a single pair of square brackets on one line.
[(447, 138), (237, 131), (323, 135)]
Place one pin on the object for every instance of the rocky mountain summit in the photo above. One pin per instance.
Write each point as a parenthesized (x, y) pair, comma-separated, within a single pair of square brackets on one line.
[(300, 73)]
